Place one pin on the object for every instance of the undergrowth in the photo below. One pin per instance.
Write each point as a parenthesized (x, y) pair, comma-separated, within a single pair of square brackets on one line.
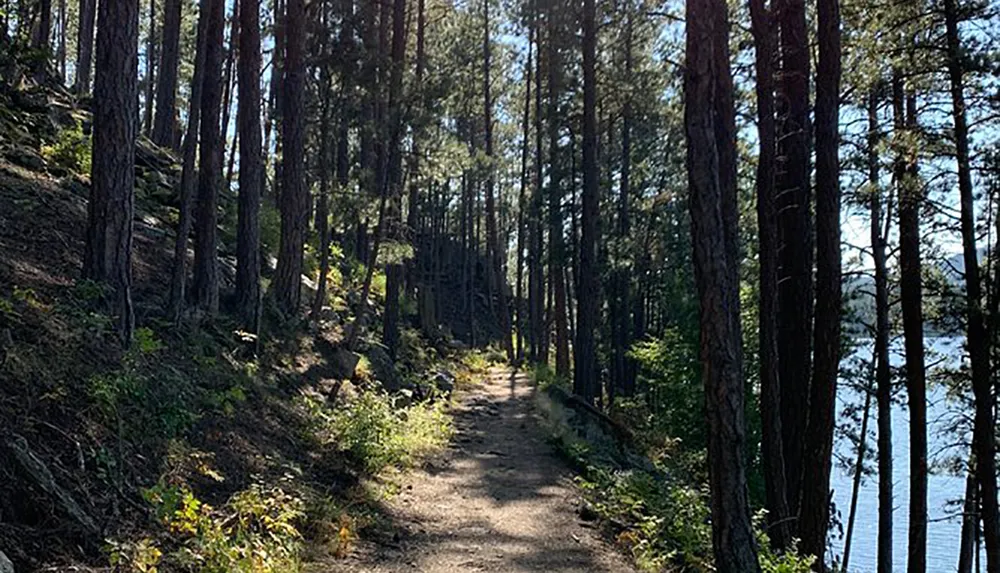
[(658, 514), (377, 432)]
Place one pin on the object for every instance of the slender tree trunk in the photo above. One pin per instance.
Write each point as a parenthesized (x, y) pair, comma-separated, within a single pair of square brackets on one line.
[(557, 255), (230, 83), (108, 254), (770, 383), (413, 210), (205, 285), (585, 380), (322, 202), (61, 49), (859, 467), (165, 121), (494, 252), (147, 116), (523, 217), (712, 181), (968, 542), (294, 197), (977, 339), (911, 296), (276, 95), (622, 339), (251, 166), (814, 518), (795, 294), (536, 273), (85, 46), (178, 275)]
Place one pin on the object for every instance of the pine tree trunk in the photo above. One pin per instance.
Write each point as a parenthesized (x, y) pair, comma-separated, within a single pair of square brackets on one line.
[(294, 197), (251, 178), (968, 542), (523, 217), (43, 31), (795, 294), (911, 297), (178, 276), (150, 79), (557, 255), (85, 46), (622, 338), (977, 339), (708, 117), (108, 256), (585, 353), (536, 272), (494, 252), (772, 451), (165, 121), (205, 284), (814, 512), (859, 467), (413, 210), (61, 49)]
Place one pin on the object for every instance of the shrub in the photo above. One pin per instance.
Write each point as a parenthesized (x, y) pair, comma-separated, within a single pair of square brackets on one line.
[(71, 150), (255, 532), (377, 433)]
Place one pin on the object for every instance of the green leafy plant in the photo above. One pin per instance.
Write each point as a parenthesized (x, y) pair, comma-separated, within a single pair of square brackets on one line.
[(71, 150)]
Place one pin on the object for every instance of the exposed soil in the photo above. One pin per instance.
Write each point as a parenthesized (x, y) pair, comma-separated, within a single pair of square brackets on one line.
[(499, 500)]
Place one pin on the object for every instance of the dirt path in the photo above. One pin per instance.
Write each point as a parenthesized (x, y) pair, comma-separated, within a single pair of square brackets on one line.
[(500, 500)]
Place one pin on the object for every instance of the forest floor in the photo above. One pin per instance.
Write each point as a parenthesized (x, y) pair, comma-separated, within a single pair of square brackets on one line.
[(499, 499)]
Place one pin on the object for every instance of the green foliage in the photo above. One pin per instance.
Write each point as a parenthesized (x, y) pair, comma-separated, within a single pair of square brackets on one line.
[(673, 403), (665, 523), (377, 433), (71, 150), (255, 532), (544, 377)]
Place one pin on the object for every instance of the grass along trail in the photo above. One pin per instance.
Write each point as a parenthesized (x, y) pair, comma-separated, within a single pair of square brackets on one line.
[(499, 499)]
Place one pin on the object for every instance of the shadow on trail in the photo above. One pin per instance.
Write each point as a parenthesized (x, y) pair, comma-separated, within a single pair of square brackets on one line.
[(500, 499)]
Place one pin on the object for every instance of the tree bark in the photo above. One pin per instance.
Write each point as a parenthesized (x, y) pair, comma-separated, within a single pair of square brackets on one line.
[(712, 183), (814, 513), (178, 275), (859, 467), (165, 121), (108, 254), (536, 272), (85, 46), (523, 214), (205, 284), (294, 198), (795, 294), (251, 176), (623, 369), (911, 297), (150, 79), (772, 450), (977, 338), (557, 255), (585, 380)]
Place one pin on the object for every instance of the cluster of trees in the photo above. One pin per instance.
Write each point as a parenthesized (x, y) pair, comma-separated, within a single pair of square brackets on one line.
[(633, 167)]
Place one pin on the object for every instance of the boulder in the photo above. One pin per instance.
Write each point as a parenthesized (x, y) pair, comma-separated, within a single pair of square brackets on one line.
[(25, 157), (344, 362), (444, 382), (383, 368)]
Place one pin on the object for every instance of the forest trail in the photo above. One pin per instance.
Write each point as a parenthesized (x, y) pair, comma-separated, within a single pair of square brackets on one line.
[(499, 500)]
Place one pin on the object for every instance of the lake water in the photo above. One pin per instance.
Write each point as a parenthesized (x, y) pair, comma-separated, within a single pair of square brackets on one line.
[(944, 526)]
